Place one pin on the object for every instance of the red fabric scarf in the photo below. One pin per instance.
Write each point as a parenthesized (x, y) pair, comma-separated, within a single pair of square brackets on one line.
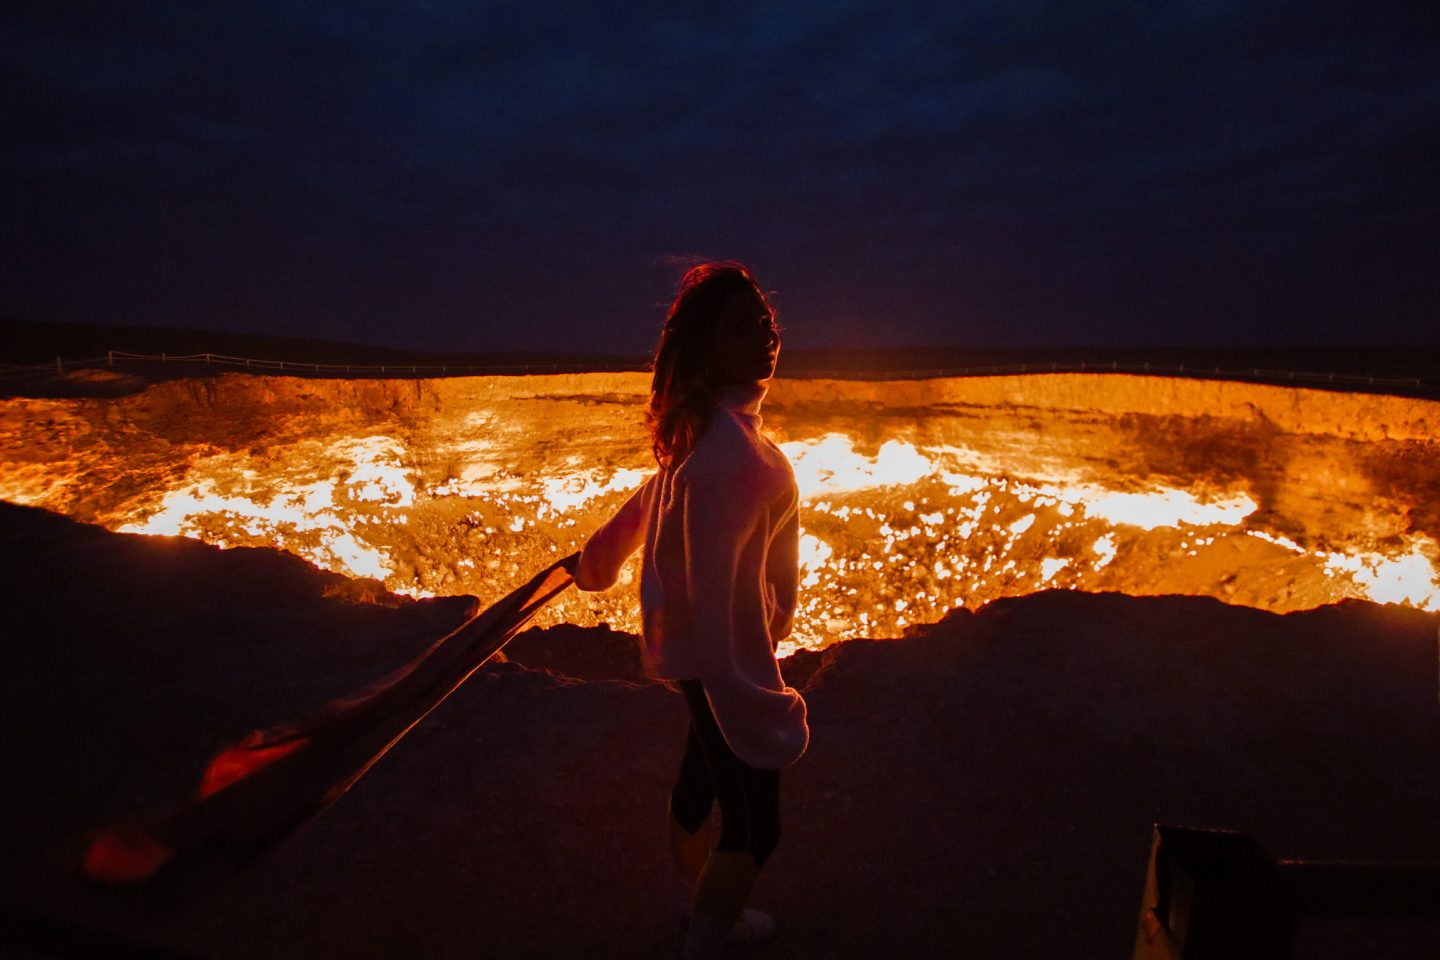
[(255, 792)]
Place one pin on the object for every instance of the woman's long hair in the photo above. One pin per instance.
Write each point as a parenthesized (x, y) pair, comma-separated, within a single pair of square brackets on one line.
[(681, 392)]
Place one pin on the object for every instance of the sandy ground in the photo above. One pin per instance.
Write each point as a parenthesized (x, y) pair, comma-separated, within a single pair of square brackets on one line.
[(984, 787)]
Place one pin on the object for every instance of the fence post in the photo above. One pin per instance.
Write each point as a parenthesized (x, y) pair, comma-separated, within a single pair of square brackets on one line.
[(109, 358), (163, 358), (59, 367), (1213, 895)]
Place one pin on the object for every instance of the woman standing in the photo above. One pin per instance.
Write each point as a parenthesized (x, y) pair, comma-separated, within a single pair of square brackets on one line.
[(719, 528)]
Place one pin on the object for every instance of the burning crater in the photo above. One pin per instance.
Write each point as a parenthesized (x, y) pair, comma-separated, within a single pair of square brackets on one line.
[(918, 496)]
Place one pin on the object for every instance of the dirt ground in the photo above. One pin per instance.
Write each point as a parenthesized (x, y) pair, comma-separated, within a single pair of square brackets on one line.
[(983, 787)]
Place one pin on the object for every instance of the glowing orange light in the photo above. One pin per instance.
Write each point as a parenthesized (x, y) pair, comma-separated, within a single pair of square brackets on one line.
[(892, 536)]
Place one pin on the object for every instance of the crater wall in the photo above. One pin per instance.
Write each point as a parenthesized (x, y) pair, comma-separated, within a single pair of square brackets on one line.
[(918, 495)]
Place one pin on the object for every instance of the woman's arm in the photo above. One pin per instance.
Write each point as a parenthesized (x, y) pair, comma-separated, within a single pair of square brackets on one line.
[(612, 544), (782, 569)]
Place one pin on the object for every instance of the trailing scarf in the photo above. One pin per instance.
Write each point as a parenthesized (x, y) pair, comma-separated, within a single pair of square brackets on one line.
[(257, 791)]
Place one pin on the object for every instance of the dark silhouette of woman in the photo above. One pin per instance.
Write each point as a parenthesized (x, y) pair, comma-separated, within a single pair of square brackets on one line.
[(719, 528)]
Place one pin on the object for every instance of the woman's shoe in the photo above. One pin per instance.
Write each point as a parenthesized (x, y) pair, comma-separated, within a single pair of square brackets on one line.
[(720, 896), (752, 927)]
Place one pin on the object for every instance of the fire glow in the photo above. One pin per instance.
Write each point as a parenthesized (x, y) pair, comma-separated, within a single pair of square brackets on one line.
[(895, 531)]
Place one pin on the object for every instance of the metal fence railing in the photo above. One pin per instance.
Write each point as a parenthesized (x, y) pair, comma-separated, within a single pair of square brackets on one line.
[(122, 358), (1326, 379), (1217, 895)]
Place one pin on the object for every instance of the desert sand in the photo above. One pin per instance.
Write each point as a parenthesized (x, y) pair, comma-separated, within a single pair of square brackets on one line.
[(983, 787)]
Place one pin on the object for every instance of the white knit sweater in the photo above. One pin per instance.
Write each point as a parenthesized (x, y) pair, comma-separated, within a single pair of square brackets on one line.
[(720, 567)]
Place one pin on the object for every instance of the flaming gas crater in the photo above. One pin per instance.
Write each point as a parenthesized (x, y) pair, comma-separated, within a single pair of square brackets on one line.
[(917, 496)]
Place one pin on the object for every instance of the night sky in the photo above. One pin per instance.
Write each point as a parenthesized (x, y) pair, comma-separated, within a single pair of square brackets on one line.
[(484, 176)]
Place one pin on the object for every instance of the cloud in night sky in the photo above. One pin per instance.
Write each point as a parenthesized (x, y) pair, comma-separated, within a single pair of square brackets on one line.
[(493, 175)]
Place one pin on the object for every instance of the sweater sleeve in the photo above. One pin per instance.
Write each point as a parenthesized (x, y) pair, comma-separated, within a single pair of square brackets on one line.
[(761, 718), (617, 538), (782, 570)]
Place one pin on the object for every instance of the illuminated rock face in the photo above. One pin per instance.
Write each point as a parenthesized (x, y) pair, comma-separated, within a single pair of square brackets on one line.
[(918, 496)]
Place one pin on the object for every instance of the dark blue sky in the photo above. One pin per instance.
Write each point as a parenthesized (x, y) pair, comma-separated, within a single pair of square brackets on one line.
[(452, 175)]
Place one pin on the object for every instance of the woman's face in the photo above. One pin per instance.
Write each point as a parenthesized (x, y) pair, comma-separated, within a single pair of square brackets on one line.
[(744, 343)]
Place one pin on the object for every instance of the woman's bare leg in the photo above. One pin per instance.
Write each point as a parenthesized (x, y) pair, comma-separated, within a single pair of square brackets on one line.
[(721, 893), (689, 850)]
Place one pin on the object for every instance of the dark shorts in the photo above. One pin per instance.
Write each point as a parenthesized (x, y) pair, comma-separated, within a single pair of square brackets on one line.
[(710, 773)]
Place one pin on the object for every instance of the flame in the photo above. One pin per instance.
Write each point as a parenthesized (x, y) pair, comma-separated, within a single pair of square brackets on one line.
[(1051, 566), (889, 538), (831, 465), (1408, 579), (184, 512), (34, 485), (570, 492), (1157, 508), (1104, 548), (814, 553), (310, 519)]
